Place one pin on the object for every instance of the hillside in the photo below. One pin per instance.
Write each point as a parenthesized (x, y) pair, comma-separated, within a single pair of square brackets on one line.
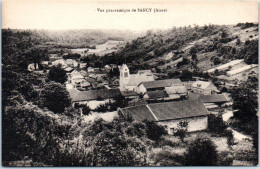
[(191, 48)]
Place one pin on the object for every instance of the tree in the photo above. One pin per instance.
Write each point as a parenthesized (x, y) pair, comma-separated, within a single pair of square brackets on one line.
[(216, 60), (55, 97), (154, 131), (116, 143), (111, 148), (57, 74), (216, 124), (245, 100), (201, 152), (238, 42), (181, 130), (194, 57)]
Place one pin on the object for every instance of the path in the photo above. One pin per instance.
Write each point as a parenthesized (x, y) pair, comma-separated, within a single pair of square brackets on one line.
[(237, 135)]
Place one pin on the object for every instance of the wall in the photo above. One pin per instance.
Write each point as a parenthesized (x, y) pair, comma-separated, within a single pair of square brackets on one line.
[(93, 104), (141, 89), (195, 124)]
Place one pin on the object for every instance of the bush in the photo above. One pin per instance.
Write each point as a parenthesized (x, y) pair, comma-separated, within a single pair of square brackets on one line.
[(167, 157), (181, 130), (216, 60), (216, 124), (57, 74), (201, 152), (55, 97), (225, 159), (154, 131)]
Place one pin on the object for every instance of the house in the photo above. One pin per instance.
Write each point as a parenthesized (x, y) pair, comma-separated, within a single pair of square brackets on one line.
[(91, 69), (69, 69), (108, 68), (82, 65), (94, 98), (214, 101), (61, 62), (176, 91), (215, 98), (33, 67), (155, 95), (130, 94), (168, 89), (129, 81), (157, 85), (137, 102), (77, 79), (204, 87), (170, 114), (99, 73), (84, 73), (71, 63)]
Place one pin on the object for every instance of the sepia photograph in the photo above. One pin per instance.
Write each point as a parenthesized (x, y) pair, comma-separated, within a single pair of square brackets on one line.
[(113, 83)]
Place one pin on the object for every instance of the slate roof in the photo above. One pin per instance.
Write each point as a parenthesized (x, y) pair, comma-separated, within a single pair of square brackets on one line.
[(157, 94), (139, 113), (215, 98), (176, 89), (167, 110), (95, 95), (136, 79), (161, 83), (129, 93), (178, 110)]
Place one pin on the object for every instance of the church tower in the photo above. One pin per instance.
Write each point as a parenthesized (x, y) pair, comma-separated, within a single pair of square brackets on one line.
[(124, 76)]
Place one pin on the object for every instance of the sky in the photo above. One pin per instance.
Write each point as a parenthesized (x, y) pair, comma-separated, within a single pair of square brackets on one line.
[(83, 14)]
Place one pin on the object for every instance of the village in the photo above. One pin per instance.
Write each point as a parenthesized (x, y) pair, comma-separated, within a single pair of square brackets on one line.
[(118, 84), (146, 96)]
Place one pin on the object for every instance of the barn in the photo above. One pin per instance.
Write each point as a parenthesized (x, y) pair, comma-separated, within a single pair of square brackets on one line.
[(169, 114), (94, 98)]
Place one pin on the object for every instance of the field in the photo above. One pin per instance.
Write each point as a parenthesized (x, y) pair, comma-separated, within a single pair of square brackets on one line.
[(101, 49)]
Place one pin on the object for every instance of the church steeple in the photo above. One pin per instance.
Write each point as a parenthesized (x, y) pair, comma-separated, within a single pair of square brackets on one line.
[(124, 76)]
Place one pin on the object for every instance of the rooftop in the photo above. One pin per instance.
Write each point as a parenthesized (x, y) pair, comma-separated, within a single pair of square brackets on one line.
[(176, 90), (167, 110), (157, 94), (139, 113), (201, 84), (129, 93), (161, 83), (94, 95), (215, 98)]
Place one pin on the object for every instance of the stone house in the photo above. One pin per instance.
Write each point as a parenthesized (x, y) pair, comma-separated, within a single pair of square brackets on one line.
[(170, 114)]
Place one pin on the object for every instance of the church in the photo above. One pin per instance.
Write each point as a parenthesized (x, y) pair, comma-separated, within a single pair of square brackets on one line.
[(129, 82)]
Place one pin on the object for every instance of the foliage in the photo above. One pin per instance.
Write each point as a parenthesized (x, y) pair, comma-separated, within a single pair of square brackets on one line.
[(84, 108), (57, 74), (245, 99), (112, 143), (225, 159), (154, 131), (216, 124), (201, 152), (166, 156), (181, 130), (55, 97), (119, 101), (72, 56), (250, 52), (216, 60)]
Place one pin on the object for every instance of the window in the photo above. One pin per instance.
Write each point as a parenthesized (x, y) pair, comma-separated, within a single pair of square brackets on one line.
[(126, 74), (172, 130)]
